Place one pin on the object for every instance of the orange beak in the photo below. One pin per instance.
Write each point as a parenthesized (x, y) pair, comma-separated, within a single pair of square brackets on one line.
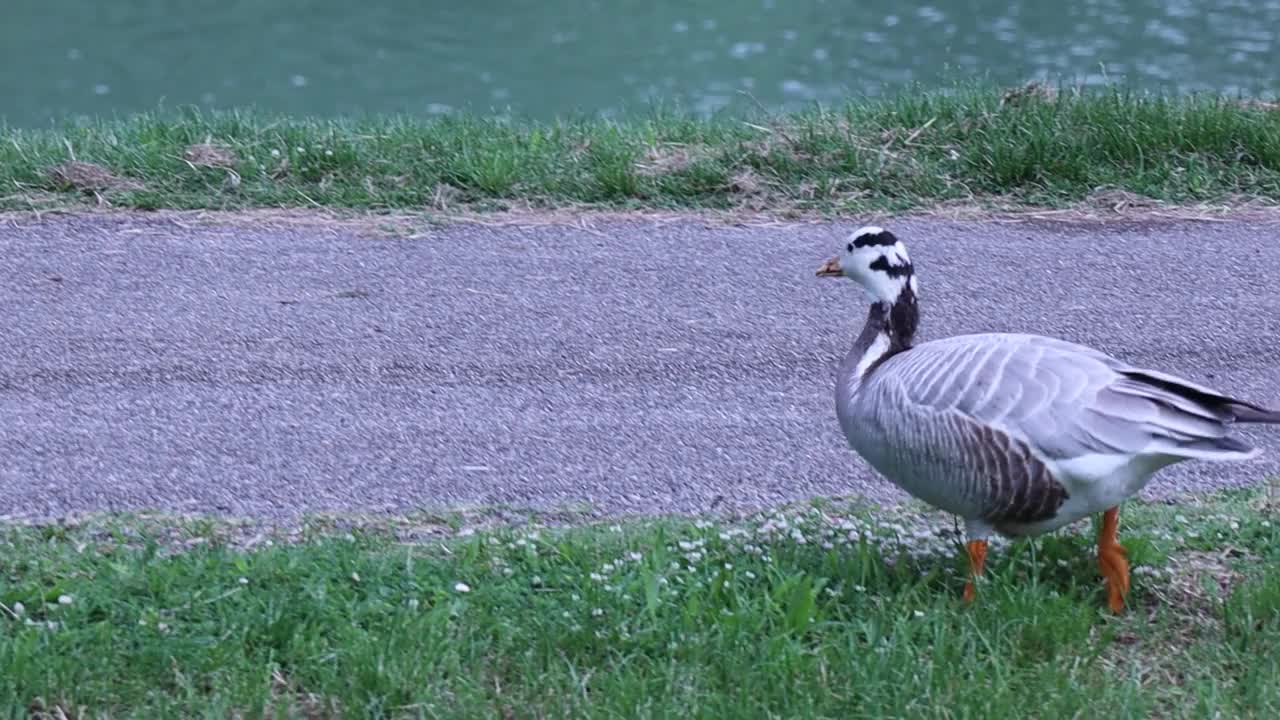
[(831, 268)]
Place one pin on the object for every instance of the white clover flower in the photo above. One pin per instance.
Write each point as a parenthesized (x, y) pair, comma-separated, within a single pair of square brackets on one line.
[(65, 600)]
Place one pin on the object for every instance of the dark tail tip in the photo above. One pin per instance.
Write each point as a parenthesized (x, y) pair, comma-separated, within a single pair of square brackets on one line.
[(1252, 414)]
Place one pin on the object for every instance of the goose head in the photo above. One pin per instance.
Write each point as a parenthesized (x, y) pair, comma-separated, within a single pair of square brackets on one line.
[(875, 259)]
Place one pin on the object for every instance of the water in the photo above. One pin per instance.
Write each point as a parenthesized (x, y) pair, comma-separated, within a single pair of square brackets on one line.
[(551, 57)]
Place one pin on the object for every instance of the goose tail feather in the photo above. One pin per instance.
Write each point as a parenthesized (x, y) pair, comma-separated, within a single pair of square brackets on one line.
[(1246, 413)]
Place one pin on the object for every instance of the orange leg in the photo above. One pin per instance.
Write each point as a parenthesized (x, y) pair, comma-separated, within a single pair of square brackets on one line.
[(977, 558), (1111, 560)]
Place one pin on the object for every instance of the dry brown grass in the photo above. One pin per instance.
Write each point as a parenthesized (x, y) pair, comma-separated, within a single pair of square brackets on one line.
[(208, 154), (39, 709), (1268, 105), (445, 197), (88, 177), (307, 705), (1033, 91), (668, 159)]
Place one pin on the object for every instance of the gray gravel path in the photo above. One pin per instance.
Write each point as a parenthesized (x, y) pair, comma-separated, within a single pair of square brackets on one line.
[(637, 366)]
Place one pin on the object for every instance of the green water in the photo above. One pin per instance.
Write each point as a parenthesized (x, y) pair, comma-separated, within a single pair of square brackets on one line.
[(550, 57)]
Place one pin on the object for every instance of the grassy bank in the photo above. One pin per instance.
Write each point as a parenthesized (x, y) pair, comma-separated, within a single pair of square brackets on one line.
[(816, 612), (975, 145)]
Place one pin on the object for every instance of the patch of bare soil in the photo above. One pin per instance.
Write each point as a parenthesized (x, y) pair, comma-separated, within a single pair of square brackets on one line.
[(1109, 206), (1183, 607), (758, 209)]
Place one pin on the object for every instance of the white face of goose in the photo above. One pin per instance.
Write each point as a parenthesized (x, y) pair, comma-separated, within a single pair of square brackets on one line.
[(877, 261)]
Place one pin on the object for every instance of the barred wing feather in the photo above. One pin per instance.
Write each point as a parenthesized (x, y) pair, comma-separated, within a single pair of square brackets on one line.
[(1064, 400)]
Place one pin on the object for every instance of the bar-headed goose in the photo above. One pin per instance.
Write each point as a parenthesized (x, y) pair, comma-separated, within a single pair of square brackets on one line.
[(1016, 434)]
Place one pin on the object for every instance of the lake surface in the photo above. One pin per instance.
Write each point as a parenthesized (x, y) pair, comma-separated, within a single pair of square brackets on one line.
[(552, 57)]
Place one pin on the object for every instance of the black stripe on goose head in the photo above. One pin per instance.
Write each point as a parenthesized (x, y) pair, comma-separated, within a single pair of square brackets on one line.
[(872, 236), (894, 271)]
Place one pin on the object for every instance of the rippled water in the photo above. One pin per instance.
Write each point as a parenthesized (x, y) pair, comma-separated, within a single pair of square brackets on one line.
[(548, 57)]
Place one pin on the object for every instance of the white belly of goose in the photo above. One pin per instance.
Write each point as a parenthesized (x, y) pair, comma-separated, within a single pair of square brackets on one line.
[(1014, 433)]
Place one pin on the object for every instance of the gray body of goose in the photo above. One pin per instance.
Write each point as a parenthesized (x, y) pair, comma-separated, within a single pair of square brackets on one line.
[(1014, 433)]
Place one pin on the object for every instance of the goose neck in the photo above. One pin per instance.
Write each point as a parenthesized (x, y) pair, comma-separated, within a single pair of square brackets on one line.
[(890, 329)]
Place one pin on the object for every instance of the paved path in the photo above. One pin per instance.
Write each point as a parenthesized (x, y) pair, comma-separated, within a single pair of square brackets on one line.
[(636, 366)]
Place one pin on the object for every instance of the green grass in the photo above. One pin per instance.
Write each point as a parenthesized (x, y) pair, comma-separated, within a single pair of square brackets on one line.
[(971, 145), (818, 612)]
